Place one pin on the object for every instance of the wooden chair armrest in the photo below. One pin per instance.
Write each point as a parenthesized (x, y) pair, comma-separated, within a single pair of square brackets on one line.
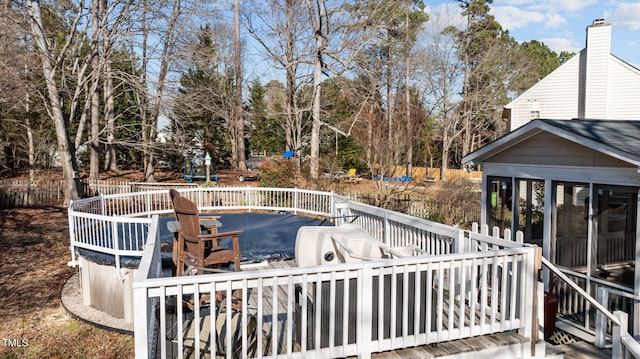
[(209, 223), (208, 217), (219, 235)]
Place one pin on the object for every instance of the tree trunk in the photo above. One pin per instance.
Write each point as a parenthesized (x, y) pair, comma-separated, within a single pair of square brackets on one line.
[(407, 95), (94, 156), (390, 136), (445, 158), (317, 20), (111, 163), (369, 150), (151, 127), (290, 79), (143, 100), (30, 143), (239, 111), (67, 158), (32, 152)]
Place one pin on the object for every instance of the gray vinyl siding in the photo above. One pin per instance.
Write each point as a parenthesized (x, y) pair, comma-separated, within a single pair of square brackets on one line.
[(550, 150)]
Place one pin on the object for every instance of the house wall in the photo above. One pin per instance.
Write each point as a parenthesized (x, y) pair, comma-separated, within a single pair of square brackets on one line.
[(555, 96), (623, 96), (593, 84), (547, 149)]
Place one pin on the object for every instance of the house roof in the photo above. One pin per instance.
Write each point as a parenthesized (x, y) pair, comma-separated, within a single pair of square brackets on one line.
[(617, 138)]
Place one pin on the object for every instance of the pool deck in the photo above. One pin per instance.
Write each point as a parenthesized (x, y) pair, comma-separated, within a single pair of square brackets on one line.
[(71, 300)]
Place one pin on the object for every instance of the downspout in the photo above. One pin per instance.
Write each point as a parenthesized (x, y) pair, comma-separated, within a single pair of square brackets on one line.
[(549, 207), (636, 283)]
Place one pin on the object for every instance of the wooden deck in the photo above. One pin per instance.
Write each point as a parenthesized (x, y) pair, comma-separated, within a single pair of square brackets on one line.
[(486, 343), (455, 347), (582, 350)]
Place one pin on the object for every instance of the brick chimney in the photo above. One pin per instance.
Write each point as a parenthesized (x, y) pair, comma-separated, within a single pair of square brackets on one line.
[(598, 51)]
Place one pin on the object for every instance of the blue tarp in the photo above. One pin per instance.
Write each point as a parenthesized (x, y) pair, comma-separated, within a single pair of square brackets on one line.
[(289, 154)]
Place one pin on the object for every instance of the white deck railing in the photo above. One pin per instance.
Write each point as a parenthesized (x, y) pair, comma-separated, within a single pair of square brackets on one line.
[(341, 310), (576, 310), (117, 224), (488, 279), (622, 343)]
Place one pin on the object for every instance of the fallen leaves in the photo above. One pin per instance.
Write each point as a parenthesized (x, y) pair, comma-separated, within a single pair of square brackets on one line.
[(34, 251)]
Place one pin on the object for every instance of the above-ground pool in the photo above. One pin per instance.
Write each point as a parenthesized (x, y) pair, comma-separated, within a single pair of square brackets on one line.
[(265, 236)]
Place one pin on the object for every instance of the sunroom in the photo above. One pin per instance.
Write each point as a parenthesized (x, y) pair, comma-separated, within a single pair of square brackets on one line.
[(571, 187)]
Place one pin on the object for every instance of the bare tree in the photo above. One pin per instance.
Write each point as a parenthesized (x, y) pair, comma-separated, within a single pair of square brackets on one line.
[(50, 64), (15, 98), (239, 111), (110, 163), (94, 156), (319, 21), (278, 26), (442, 81), (150, 124)]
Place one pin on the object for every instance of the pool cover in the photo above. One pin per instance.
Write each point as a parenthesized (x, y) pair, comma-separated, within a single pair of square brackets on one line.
[(266, 236)]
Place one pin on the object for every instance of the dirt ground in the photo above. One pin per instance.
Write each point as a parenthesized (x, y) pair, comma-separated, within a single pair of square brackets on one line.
[(34, 250)]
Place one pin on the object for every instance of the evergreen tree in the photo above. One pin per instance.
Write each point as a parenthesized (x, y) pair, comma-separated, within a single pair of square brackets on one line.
[(534, 61), (266, 130), (484, 48), (203, 106)]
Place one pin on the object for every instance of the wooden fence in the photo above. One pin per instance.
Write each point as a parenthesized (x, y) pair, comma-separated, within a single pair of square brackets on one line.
[(22, 193), (431, 174)]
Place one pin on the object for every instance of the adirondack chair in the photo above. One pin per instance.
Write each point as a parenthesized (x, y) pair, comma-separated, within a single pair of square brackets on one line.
[(193, 248)]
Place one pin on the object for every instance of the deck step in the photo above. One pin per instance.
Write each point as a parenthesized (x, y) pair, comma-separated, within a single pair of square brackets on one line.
[(581, 350), (553, 353)]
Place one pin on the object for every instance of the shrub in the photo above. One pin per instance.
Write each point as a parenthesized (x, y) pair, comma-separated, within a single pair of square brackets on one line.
[(279, 173)]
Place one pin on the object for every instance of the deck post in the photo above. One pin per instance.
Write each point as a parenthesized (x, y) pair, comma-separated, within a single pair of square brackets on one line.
[(365, 289), (457, 242), (601, 320), (537, 265), (616, 332), (116, 248), (387, 231), (72, 235), (140, 322)]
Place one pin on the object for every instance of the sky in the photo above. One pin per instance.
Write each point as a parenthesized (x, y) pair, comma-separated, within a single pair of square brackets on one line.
[(561, 24)]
